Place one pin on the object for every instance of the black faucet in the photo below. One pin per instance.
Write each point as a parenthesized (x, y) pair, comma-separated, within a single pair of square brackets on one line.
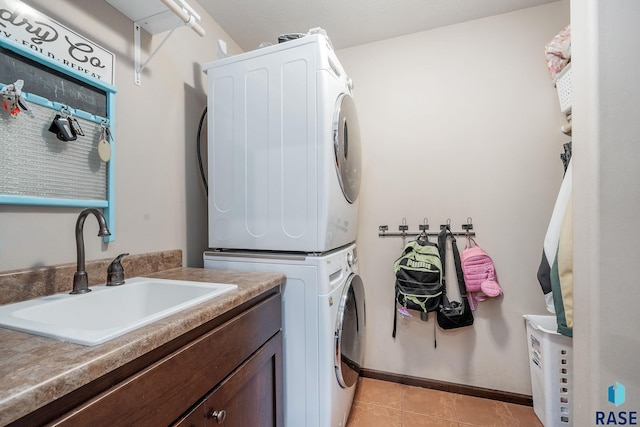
[(80, 280)]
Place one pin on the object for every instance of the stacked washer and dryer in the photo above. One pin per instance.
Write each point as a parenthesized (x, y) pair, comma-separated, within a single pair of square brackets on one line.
[(284, 178)]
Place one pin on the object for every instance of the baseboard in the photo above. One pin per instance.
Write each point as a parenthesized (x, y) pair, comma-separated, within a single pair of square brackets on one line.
[(486, 393)]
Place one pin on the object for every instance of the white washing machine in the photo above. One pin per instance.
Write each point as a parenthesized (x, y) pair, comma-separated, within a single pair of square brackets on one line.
[(323, 329), (284, 149)]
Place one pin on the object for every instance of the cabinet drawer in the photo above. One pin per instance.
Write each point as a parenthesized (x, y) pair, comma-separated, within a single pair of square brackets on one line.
[(159, 394)]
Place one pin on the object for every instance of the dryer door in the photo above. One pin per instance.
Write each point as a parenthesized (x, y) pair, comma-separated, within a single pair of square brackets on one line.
[(346, 144), (349, 334)]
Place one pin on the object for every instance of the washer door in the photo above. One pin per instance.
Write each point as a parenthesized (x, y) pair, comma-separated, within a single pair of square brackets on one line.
[(349, 334), (346, 145)]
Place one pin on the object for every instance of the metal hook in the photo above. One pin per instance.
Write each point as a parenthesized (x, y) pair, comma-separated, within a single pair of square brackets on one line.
[(468, 226), (423, 236), (403, 227)]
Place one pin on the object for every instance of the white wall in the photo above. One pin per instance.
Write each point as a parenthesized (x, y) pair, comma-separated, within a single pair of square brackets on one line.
[(159, 201), (457, 122), (607, 204), (460, 122)]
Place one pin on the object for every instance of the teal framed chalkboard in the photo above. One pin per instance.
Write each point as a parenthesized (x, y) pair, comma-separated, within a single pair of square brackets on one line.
[(36, 167)]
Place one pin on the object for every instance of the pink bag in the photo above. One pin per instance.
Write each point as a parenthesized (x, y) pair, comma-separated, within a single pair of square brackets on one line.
[(479, 274)]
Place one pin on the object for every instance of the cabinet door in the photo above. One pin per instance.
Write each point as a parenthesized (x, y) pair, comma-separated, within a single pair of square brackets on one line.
[(252, 394)]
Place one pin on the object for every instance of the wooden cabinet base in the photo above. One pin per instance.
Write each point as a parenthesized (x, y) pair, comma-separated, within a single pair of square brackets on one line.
[(239, 357)]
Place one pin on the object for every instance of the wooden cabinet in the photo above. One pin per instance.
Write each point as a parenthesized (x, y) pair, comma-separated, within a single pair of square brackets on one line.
[(247, 397), (233, 364)]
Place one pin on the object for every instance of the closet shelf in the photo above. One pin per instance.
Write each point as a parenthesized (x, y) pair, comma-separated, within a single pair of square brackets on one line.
[(156, 17)]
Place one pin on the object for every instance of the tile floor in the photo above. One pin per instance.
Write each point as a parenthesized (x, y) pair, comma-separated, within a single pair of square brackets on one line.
[(387, 404)]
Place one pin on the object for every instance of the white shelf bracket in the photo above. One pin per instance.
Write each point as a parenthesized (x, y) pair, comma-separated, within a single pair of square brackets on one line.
[(137, 66), (181, 10), (136, 53)]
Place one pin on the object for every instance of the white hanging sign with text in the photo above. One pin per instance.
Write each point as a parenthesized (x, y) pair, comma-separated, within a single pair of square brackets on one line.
[(50, 39)]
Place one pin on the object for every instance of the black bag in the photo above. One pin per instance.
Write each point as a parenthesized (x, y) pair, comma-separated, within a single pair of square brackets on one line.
[(452, 314), (418, 279)]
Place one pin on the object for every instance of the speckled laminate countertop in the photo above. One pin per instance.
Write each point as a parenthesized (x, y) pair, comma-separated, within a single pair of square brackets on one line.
[(35, 371)]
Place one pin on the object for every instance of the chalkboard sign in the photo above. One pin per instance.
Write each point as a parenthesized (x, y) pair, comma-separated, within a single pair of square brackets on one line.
[(36, 167), (51, 84)]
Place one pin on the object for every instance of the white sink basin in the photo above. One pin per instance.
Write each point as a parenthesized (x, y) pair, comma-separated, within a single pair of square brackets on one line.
[(108, 311)]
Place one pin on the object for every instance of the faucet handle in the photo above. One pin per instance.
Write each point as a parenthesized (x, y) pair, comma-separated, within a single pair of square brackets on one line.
[(115, 272)]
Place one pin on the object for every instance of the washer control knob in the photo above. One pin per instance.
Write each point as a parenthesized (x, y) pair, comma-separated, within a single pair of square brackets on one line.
[(350, 259)]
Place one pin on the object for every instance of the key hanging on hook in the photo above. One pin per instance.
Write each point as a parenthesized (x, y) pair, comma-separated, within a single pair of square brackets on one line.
[(104, 148), (12, 99), (11, 106), (75, 124), (61, 126)]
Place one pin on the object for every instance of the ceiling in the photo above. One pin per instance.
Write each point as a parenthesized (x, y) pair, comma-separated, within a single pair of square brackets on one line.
[(347, 22)]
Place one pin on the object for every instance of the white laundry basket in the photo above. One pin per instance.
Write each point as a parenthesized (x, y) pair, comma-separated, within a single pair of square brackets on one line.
[(550, 363), (564, 88)]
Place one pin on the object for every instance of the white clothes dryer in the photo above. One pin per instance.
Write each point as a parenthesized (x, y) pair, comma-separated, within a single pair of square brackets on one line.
[(283, 149), (323, 329)]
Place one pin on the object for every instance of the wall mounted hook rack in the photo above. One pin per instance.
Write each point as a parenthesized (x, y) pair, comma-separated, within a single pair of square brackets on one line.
[(403, 229)]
